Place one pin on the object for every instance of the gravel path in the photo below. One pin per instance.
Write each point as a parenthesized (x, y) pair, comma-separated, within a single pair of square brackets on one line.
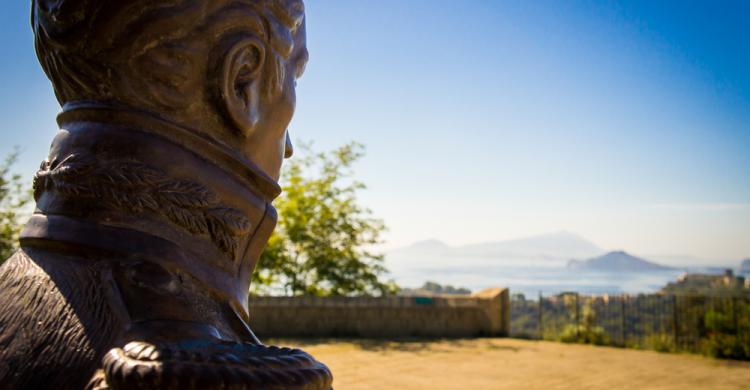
[(474, 364)]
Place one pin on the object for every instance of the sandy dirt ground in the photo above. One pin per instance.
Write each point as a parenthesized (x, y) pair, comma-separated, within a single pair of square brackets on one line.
[(516, 364)]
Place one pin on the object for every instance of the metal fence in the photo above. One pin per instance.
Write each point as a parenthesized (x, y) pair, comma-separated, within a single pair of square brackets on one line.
[(716, 325)]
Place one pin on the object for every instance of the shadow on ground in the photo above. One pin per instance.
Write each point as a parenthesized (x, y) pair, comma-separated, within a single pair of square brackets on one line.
[(401, 345)]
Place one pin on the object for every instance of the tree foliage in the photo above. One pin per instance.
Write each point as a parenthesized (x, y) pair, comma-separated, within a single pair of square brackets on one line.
[(322, 243), (14, 196)]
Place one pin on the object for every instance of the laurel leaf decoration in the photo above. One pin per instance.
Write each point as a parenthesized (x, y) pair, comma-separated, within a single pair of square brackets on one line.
[(72, 189), (231, 219), (131, 175), (135, 187), (71, 170), (40, 179), (192, 222), (187, 194)]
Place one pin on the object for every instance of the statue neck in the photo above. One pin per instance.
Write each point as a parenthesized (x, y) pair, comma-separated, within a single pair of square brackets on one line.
[(128, 185)]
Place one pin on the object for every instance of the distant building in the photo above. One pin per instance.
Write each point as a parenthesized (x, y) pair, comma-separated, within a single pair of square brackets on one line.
[(728, 283), (434, 289), (745, 267)]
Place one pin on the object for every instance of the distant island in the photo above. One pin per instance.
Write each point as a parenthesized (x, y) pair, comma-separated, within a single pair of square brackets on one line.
[(617, 261)]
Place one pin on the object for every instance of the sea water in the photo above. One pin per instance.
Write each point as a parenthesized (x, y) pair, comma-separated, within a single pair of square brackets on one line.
[(532, 279)]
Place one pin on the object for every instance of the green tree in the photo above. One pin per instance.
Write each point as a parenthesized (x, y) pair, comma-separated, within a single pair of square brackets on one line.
[(14, 196), (323, 242), (585, 326)]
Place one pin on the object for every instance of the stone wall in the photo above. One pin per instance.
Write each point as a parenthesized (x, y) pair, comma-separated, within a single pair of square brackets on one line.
[(482, 314)]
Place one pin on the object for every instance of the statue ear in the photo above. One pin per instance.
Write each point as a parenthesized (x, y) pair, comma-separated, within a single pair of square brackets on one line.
[(241, 83)]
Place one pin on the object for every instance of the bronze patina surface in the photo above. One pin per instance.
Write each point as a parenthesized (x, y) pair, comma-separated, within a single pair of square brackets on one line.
[(155, 202)]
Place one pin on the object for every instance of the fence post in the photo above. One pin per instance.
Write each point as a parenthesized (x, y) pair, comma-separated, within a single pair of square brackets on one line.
[(675, 328), (638, 326), (541, 324), (734, 317), (578, 320), (622, 320)]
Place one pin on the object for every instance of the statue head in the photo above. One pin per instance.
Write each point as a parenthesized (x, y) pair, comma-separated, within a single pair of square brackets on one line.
[(224, 68)]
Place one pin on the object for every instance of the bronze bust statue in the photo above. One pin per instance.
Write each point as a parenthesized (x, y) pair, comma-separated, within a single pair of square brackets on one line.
[(155, 202)]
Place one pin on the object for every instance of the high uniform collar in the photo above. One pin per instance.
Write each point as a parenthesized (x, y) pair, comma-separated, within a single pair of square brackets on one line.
[(198, 142), (132, 186)]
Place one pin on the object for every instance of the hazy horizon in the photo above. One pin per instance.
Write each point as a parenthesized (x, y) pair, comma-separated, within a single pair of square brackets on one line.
[(549, 263), (627, 123), (669, 259)]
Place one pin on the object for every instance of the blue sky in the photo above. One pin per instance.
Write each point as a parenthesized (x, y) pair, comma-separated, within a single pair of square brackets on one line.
[(625, 122)]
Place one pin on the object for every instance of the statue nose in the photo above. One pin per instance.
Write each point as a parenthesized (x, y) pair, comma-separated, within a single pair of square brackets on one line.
[(288, 147)]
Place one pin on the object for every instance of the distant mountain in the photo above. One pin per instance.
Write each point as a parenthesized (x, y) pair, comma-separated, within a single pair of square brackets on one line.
[(681, 260), (426, 247), (559, 245), (554, 246), (617, 261)]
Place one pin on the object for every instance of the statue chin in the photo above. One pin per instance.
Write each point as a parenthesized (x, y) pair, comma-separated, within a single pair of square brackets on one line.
[(151, 214)]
